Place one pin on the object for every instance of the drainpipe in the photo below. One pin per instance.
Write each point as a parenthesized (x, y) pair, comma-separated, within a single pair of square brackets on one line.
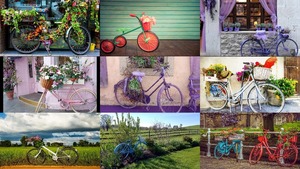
[(208, 143)]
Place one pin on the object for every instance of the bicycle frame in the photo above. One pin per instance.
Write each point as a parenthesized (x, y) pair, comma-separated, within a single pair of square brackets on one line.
[(229, 146), (68, 101)]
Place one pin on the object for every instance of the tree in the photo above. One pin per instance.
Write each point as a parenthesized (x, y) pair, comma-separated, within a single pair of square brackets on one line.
[(48, 144), (83, 143), (24, 141), (74, 144), (5, 143), (105, 122)]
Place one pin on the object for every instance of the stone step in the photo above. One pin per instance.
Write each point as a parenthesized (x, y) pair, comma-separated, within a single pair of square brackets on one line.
[(32, 99)]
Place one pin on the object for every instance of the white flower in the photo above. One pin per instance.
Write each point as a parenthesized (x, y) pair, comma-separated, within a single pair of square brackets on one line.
[(47, 77)]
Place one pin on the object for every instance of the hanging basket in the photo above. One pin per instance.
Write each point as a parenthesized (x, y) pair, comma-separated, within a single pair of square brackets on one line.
[(47, 84)]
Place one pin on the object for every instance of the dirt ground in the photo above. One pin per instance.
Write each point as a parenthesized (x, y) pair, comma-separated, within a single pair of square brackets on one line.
[(50, 167)]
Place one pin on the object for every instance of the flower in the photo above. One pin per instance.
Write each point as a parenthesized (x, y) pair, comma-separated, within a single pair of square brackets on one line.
[(37, 141), (149, 19), (10, 79)]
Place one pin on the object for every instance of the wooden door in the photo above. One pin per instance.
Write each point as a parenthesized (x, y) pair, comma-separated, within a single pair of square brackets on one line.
[(292, 70)]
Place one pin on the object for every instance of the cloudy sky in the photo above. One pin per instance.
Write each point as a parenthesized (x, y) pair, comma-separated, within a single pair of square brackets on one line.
[(61, 127), (149, 119)]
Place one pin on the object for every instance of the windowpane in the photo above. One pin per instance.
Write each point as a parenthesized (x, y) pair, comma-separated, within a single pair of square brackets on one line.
[(241, 9), (255, 10), (254, 21), (243, 21)]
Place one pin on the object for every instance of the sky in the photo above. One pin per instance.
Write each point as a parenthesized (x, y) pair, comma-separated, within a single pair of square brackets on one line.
[(53, 127), (149, 119)]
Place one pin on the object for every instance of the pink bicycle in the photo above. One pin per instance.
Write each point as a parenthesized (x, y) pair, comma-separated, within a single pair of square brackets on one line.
[(79, 100)]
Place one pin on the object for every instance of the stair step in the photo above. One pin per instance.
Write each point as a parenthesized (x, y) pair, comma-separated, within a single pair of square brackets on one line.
[(32, 99)]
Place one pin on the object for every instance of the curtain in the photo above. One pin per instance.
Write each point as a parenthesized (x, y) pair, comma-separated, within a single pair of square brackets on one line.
[(195, 66), (271, 8), (225, 10), (202, 18)]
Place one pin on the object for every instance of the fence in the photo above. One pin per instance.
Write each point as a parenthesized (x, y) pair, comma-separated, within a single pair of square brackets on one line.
[(160, 133), (209, 132)]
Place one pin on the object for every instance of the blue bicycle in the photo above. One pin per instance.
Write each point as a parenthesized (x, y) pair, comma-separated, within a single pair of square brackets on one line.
[(126, 149), (223, 148), (282, 44)]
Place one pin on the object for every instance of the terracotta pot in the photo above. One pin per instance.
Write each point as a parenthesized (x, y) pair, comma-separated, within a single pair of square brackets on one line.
[(47, 84), (73, 79), (10, 94)]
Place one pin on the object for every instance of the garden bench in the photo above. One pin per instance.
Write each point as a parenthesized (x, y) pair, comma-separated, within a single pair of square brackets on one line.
[(194, 89)]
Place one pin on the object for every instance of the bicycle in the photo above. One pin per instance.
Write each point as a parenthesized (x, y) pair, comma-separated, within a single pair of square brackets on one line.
[(259, 97), (169, 97), (80, 100), (283, 45), (223, 148), (285, 155), (146, 40), (31, 35), (126, 149), (66, 155)]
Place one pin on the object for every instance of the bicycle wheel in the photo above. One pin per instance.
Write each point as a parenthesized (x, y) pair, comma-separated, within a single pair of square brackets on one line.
[(120, 41), (122, 151), (148, 41), (107, 46), (68, 156), (220, 150), (121, 97), (287, 156), (266, 98), (79, 46), (251, 48), (83, 100), (36, 156), (287, 47), (20, 41), (217, 96), (255, 154), (169, 98)]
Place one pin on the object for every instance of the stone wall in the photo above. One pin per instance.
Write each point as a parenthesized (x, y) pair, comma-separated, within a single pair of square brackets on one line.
[(231, 41)]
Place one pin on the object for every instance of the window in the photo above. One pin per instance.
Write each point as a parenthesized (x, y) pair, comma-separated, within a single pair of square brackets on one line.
[(248, 13)]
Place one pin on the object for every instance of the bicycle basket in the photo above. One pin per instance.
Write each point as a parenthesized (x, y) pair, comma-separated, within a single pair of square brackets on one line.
[(47, 84), (219, 138), (261, 73), (237, 137)]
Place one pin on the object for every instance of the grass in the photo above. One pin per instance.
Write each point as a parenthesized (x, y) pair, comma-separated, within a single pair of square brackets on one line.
[(88, 156), (187, 159)]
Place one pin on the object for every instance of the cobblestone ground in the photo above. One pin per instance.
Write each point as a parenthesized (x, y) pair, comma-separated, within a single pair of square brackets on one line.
[(230, 163)]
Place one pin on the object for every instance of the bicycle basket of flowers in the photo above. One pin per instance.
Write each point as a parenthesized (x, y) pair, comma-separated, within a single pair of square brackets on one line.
[(51, 77), (147, 22), (36, 140), (261, 73), (231, 134)]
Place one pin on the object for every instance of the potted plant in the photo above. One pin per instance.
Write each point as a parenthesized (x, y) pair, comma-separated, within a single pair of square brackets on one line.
[(287, 86), (263, 26), (231, 28), (10, 79), (225, 26), (270, 27), (237, 26), (71, 71)]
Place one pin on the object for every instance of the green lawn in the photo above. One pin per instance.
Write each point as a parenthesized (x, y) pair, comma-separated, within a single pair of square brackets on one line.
[(185, 159), (89, 156)]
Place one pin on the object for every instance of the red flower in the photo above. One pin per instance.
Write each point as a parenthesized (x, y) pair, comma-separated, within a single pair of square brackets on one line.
[(74, 3)]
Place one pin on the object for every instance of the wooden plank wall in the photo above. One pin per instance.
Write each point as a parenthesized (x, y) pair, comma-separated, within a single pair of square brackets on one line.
[(176, 19)]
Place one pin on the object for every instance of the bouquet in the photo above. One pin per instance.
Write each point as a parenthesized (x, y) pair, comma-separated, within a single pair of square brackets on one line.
[(52, 72), (37, 141)]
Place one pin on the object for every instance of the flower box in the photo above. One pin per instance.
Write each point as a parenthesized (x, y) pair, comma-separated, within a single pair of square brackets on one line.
[(214, 79)]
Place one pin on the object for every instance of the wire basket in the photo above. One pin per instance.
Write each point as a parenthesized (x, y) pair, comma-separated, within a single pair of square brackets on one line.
[(261, 73), (47, 84), (237, 137)]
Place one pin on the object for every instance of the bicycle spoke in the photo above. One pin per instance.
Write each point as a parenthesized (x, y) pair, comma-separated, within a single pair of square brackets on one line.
[(83, 100), (169, 98)]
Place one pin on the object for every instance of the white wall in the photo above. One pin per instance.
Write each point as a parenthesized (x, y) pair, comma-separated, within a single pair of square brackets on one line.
[(235, 64), (288, 17)]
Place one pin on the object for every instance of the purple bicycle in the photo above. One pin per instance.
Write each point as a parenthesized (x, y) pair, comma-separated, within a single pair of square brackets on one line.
[(129, 92)]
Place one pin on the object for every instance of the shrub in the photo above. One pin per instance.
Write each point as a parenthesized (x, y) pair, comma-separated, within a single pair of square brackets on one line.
[(150, 142), (188, 139), (158, 150), (107, 156)]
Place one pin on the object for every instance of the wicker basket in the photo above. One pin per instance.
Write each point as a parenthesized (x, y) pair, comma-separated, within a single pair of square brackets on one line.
[(261, 73), (47, 84)]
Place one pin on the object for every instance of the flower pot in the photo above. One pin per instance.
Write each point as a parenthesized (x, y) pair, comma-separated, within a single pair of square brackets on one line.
[(97, 43), (230, 28), (270, 29), (147, 26), (263, 29), (258, 29), (10, 94), (73, 79), (225, 29), (47, 84), (273, 98), (236, 29)]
